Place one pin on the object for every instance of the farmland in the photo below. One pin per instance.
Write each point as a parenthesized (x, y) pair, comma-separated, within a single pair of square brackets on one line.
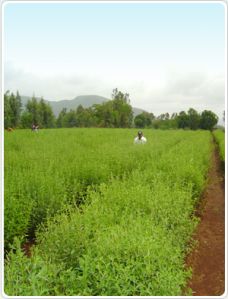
[(108, 217), (219, 136)]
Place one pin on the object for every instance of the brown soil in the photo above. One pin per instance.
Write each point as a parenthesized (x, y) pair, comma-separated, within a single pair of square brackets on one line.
[(207, 260), (27, 246)]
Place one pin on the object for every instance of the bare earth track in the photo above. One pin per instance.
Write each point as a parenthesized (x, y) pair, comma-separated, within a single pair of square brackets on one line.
[(207, 260)]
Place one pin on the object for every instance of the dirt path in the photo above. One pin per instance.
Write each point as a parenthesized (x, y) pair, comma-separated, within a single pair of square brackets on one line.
[(208, 259)]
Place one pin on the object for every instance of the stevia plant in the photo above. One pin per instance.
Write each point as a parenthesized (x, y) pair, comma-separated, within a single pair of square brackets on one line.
[(220, 139), (131, 234)]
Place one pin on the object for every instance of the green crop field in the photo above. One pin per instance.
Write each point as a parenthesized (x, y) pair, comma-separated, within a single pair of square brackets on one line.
[(109, 217), (220, 139)]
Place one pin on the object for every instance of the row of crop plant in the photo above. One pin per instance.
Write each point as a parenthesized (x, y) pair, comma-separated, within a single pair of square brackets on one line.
[(44, 172), (220, 139), (131, 235)]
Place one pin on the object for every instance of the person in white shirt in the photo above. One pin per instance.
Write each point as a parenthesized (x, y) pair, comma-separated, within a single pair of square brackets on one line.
[(140, 138)]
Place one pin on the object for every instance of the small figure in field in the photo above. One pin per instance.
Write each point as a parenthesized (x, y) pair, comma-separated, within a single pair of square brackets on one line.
[(140, 138), (10, 129), (35, 128)]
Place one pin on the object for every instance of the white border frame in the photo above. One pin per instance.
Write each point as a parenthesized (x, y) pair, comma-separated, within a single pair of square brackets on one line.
[(3, 4)]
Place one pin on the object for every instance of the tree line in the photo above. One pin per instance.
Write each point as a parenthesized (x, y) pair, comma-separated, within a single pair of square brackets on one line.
[(115, 113), (35, 112), (191, 120)]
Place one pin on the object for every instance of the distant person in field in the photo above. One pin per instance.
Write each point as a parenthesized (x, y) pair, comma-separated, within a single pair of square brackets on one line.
[(140, 138), (35, 128)]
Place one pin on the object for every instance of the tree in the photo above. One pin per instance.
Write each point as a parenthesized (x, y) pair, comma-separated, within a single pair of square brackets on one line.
[(104, 114), (140, 121), (143, 120), (71, 119), (12, 109), (85, 117), (116, 113), (61, 121), (118, 95), (32, 107), (125, 115), (193, 119), (166, 116), (16, 107), (122, 110), (39, 113), (182, 120), (80, 116), (8, 116), (208, 120), (26, 120), (46, 115), (174, 115), (161, 116)]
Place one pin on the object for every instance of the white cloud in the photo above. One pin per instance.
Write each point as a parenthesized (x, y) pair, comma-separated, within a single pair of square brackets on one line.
[(173, 93), (181, 91)]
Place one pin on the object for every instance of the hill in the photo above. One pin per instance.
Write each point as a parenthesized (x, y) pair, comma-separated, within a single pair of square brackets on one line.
[(85, 100)]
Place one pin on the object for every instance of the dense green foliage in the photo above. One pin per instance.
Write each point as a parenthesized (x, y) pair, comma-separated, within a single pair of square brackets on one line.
[(208, 120), (220, 139), (116, 217), (12, 110), (184, 120), (45, 171), (38, 113), (143, 120), (116, 113)]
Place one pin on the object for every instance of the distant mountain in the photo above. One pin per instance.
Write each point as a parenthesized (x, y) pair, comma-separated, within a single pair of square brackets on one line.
[(137, 111), (24, 100), (86, 101)]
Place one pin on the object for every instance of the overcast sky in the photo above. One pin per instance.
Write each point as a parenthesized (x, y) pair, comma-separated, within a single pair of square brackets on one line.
[(167, 56)]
